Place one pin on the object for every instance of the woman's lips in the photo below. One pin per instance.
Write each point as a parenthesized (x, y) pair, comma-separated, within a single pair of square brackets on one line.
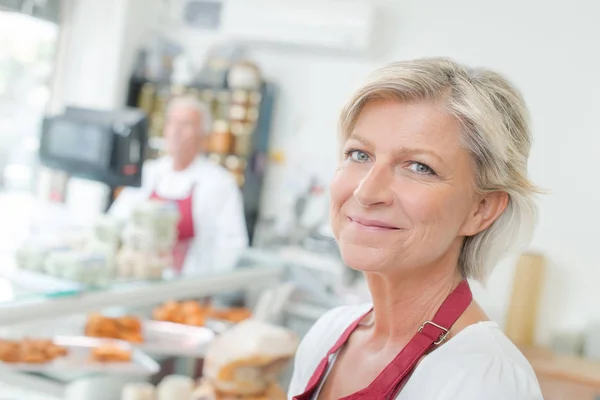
[(373, 224)]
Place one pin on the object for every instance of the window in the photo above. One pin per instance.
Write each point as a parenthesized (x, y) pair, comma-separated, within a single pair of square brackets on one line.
[(27, 50)]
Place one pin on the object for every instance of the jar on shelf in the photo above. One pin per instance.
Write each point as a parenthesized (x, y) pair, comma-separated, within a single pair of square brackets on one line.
[(157, 121), (255, 97), (147, 97), (222, 104), (242, 133), (221, 140), (244, 75), (241, 97), (237, 166), (252, 115), (237, 112)]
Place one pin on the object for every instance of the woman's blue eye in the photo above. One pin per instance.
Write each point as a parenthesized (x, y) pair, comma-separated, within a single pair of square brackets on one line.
[(358, 156), (420, 168)]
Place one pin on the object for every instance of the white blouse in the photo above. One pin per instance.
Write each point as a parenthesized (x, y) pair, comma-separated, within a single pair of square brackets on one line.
[(480, 362), (217, 209)]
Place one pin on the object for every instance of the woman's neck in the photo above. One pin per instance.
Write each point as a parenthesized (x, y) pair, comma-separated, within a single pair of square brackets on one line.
[(401, 303)]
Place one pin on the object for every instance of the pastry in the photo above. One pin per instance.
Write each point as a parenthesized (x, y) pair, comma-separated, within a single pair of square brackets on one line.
[(9, 351), (234, 315), (126, 328), (195, 313), (110, 353), (247, 358), (30, 351)]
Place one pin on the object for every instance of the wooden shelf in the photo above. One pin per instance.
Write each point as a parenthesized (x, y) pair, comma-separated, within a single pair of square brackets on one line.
[(564, 377)]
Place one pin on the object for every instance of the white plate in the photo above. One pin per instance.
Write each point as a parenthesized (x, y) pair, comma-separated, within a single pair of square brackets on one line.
[(169, 339), (78, 359)]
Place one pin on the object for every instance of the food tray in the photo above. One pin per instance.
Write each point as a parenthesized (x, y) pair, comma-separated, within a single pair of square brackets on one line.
[(161, 338), (79, 360)]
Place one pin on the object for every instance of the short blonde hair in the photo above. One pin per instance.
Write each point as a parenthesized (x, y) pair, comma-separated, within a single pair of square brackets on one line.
[(191, 102), (495, 131)]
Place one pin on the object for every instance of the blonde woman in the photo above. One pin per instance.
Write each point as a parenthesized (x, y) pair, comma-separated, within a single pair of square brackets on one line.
[(431, 190)]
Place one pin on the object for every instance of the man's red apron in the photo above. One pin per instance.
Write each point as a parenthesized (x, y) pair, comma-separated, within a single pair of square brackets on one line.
[(185, 227), (391, 380), (185, 236)]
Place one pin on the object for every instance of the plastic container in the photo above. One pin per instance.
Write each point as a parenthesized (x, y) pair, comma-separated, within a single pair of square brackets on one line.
[(155, 216)]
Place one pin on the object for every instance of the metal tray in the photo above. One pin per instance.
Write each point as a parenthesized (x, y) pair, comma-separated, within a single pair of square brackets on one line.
[(170, 339), (79, 360)]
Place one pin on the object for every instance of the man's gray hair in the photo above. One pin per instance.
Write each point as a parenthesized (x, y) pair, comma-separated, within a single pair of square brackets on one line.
[(191, 102)]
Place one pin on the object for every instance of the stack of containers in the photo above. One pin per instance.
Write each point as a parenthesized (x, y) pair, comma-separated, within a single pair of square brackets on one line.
[(57, 258), (148, 240), (32, 254), (106, 240), (78, 266)]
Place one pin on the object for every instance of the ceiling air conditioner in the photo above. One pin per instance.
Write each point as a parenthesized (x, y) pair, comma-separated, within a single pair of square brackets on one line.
[(341, 25)]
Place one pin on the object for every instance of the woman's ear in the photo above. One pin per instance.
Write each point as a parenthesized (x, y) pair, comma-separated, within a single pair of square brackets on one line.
[(486, 211)]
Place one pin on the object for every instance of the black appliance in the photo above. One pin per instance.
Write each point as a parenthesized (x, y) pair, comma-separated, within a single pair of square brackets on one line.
[(103, 146)]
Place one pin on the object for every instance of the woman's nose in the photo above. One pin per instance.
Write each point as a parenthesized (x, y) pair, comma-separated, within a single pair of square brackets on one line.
[(375, 188)]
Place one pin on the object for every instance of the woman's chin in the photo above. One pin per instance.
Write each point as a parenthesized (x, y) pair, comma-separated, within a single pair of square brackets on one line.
[(362, 258)]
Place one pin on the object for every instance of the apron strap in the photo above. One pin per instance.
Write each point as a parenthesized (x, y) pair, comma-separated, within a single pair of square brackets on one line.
[(322, 367), (391, 380), (430, 334)]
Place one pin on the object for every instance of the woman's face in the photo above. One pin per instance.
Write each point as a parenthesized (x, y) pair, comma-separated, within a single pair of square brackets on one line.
[(404, 195)]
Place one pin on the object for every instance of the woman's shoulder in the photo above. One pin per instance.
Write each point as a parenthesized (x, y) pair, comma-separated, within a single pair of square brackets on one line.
[(479, 362)]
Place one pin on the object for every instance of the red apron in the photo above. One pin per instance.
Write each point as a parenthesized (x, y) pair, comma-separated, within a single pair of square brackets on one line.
[(390, 381), (185, 227)]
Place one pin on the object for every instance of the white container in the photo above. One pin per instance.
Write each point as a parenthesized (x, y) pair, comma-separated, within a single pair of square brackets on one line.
[(138, 391), (32, 254), (107, 229), (175, 387), (137, 264), (157, 217), (148, 240), (78, 266)]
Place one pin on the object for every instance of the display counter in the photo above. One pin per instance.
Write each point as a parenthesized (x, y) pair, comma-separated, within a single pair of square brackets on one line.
[(34, 309), (21, 304)]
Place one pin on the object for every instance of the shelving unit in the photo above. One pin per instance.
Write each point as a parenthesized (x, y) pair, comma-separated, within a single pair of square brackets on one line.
[(48, 306)]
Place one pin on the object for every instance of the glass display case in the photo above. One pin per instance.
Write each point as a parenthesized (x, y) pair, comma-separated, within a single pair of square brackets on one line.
[(31, 309)]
